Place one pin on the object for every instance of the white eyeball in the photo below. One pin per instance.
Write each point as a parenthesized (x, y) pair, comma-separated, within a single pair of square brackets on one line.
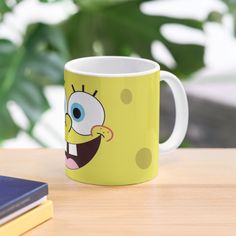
[(65, 104), (85, 112)]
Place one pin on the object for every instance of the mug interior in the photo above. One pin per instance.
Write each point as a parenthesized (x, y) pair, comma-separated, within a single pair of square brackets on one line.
[(112, 66)]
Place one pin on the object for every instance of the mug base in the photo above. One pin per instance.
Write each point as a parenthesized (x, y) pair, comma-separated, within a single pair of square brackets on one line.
[(109, 183)]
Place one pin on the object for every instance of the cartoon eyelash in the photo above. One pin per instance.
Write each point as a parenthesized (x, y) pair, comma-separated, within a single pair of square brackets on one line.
[(95, 92), (73, 88)]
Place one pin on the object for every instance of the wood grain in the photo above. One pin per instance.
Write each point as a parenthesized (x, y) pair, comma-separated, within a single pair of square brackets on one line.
[(194, 194)]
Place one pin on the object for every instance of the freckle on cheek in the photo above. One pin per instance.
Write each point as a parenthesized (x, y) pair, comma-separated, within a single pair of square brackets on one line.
[(144, 158), (126, 96)]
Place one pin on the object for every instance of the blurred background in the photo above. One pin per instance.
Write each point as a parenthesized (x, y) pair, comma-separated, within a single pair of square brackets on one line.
[(195, 39)]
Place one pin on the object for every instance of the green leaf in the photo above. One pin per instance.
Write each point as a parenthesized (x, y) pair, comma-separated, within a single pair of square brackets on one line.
[(101, 27), (7, 6), (189, 58), (4, 7), (49, 1), (215, 16), (8, 128), (122, 29), (79, 34), (26, 70), (91, 5), (31, 99)]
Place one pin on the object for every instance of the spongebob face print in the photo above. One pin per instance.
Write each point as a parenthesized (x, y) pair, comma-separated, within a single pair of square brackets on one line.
[(111, 128), (84, 119)]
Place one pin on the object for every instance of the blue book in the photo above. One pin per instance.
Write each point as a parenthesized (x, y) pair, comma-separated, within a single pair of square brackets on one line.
[(16, 194)]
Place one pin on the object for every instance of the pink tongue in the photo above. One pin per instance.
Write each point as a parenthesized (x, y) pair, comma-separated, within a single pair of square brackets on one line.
[(71, 164)]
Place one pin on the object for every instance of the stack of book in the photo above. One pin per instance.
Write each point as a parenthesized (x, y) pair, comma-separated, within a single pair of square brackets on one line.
[(23, 205)]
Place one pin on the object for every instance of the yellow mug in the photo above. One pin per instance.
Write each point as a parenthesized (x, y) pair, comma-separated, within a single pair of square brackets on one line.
[(112, 119)]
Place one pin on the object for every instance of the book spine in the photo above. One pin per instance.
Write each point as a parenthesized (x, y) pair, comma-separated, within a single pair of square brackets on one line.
[(25, 200), (29, 220)]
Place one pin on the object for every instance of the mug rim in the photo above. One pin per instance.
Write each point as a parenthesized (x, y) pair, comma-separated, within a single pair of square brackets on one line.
[(70, 66)]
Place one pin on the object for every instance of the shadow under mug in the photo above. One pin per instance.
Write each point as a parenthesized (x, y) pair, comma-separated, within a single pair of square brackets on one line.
[(112, 119)]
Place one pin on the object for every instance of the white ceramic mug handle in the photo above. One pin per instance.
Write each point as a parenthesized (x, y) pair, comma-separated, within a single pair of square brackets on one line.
[(181, 110)]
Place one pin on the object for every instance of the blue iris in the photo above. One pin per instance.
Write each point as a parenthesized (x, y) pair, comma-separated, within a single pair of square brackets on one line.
[(77, 112)]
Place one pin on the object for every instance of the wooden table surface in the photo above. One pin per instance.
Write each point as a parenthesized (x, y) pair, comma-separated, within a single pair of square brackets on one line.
[(194, 194)]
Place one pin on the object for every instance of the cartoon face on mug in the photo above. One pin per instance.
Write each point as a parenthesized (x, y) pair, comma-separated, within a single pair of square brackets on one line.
[(84, 127)]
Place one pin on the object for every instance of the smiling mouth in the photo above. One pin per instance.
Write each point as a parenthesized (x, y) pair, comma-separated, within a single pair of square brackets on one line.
[(78, 155)]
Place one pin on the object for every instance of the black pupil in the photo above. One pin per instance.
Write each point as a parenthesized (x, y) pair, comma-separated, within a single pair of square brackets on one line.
[(76, 113)]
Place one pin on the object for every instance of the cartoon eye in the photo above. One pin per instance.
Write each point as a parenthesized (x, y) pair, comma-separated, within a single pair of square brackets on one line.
[(85, 112), (77, 112)]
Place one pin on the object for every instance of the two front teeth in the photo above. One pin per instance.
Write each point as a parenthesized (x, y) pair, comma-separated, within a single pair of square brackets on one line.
[(105, 132), (72, 149)]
